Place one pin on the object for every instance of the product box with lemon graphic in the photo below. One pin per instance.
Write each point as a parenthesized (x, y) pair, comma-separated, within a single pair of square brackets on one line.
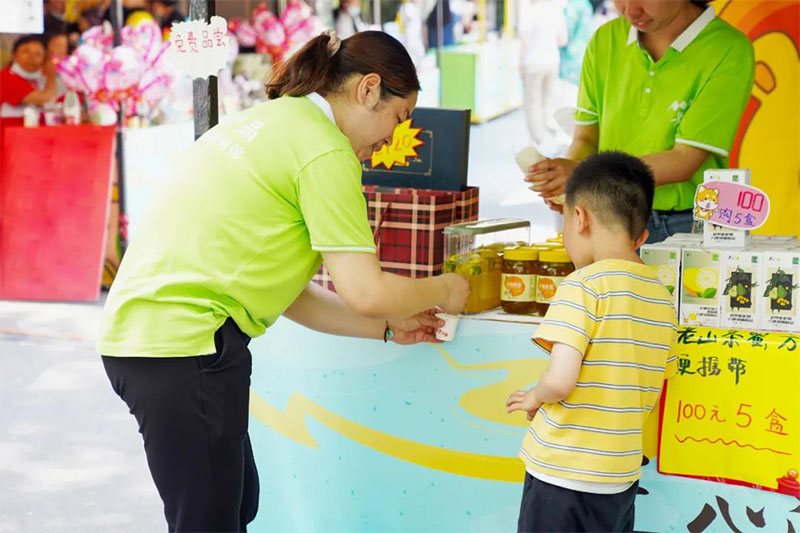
[(779, 287), (742, 306), (666, 261), (700, 288)]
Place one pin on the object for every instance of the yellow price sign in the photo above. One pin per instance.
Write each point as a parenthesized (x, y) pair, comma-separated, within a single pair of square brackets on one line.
[(403, 146), (733, 410)]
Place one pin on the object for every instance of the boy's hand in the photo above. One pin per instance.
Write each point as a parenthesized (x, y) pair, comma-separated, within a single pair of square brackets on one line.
[(524, 401)]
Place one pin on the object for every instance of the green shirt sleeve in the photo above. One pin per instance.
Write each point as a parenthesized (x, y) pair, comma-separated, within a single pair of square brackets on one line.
[(587, 111), (712, 118), (571, 318), (332, 204)]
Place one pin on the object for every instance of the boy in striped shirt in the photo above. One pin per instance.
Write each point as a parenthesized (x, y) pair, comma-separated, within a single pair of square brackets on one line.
[(611, 333)]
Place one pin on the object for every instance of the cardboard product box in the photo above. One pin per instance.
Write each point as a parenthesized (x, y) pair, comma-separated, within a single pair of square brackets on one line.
[(779, 290), (666, 261), (718, 236), (430, 153), (701, 284), (741, 302)]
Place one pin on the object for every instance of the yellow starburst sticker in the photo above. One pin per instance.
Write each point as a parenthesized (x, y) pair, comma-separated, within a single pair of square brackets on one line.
[(403, 147)]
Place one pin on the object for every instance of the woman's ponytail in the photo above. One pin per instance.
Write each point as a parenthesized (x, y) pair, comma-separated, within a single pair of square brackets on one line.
[(325, 63), (306, 72)]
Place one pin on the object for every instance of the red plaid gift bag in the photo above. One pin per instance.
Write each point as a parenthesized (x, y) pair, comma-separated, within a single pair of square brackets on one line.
[(408, 227)]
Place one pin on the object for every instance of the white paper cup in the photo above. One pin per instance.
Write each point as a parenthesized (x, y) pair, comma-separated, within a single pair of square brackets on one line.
[(448, 331)]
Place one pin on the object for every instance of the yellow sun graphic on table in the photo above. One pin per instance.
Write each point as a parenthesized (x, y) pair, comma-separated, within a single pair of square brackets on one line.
[(403, 147)]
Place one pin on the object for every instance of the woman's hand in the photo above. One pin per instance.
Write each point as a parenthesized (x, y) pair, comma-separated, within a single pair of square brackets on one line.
[(418, 328), (549, 177), (558, 208)]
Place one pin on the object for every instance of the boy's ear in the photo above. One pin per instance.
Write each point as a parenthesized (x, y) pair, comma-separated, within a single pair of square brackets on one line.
[(642, 239), (581, 218)]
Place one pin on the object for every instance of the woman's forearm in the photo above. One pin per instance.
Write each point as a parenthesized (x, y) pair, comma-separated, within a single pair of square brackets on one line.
[(675, 166), (322, 310)]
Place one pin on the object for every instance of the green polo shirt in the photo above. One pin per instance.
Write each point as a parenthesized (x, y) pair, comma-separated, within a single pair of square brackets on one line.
[(237, 231), (694, 95)]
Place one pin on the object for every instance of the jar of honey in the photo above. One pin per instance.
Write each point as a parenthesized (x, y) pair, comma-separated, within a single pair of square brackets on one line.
[(554, 266), (518, 280)]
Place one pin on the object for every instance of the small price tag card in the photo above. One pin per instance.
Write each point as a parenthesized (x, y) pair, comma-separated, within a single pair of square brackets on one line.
[(731, 205)]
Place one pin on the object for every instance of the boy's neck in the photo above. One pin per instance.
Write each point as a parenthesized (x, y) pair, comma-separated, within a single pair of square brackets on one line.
[(613, 245)]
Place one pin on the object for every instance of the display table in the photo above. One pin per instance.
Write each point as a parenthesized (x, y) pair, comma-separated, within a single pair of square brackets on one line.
[(55, 185), (357, 435), (482, 77)]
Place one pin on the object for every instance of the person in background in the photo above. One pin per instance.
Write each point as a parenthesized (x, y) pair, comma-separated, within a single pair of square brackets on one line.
[(92, 14), (28, 81), (348, 19), (166, 13), (55, 20), (604, 12), (448, 23), (667, 82), (542, 30), (56, 46), (578, 14), (129, 7)]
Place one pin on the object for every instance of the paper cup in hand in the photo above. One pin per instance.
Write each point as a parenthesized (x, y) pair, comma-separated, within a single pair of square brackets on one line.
[(448, 331), (527, 156)]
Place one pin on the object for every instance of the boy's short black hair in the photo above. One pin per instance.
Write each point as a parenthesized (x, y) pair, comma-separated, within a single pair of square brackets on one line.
[(617, 188), (25, 39)]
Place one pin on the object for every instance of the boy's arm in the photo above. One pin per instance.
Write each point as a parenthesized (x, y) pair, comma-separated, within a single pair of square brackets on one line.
[(565, 333), (561, 375), (556, 383)]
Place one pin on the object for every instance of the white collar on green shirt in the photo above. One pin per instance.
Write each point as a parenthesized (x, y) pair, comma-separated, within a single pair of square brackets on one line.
[(688, 35), (322, 104)]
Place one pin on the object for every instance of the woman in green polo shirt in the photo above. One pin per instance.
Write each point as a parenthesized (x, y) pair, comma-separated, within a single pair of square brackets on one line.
[(667, 82), (231, 242)]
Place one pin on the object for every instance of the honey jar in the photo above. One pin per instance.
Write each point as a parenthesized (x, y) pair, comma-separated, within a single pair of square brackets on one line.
[(518, 280), (554, 266)]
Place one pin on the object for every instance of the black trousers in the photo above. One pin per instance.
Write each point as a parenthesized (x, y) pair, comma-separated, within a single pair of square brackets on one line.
[(192, 413), (548, 508)]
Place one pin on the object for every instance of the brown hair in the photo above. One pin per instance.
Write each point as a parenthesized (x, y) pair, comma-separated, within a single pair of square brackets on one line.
[(312, 69)]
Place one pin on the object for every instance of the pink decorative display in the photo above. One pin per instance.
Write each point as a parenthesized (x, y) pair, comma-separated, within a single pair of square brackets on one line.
[(133, 73)]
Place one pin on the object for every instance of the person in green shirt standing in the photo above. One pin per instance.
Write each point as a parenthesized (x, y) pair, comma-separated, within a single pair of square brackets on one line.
[(230, 243), (667, 82)]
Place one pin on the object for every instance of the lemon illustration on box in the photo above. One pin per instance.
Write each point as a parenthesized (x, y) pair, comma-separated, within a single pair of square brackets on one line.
[(665, 260), (700, 288), (701, 282)]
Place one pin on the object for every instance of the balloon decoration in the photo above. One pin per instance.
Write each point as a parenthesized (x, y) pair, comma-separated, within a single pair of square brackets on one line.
[(138, 18), (276, 36), (133, 74), (244, 32)]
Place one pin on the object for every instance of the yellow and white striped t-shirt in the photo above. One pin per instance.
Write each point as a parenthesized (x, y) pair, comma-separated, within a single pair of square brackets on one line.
[(620, 316)]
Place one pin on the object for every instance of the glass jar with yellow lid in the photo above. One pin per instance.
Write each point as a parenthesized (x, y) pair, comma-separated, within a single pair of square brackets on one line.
[(554, 266), (518, 282)]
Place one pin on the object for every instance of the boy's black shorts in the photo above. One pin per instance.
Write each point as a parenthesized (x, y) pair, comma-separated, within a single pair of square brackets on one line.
[(548, 508)]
